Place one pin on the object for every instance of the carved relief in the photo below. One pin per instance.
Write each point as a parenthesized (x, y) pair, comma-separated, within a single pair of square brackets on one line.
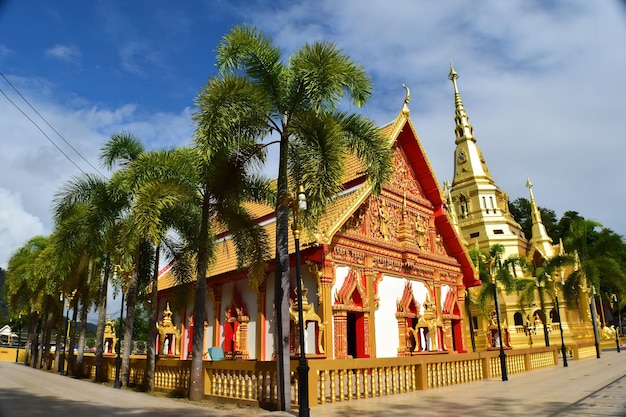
[(385, 219), (348, 255), (356, 221), (439, 247), (403, 176), (421, 232)]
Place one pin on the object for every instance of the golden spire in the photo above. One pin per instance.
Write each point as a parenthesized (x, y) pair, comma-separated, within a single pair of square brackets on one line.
[(407, 98), (539, 239), (535, 214), (463, 129)]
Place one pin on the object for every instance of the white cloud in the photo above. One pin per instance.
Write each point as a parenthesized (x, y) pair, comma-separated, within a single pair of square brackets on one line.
[(16, 224), (33, 170), (538, 81), (64, 52)]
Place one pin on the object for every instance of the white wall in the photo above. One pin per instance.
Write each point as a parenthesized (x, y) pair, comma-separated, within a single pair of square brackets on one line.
[(390, 290)]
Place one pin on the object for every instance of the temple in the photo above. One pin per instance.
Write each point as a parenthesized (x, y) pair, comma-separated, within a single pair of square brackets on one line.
[(384, 275)]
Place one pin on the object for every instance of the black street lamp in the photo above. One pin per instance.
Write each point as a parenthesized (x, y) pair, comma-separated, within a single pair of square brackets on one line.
[(491, 264), (614, 298), (118, 359), (67, 329), (558, 313), (17, 324), (594, 319), (471, 321), (298, 205)]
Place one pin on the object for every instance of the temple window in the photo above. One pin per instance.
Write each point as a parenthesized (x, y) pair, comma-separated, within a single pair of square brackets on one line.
[(464, 206)]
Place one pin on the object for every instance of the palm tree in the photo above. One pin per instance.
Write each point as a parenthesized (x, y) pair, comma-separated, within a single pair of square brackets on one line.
[(299, 100), (25, 288), (121, 150), (87, 212), (185, 188), (502, 273)]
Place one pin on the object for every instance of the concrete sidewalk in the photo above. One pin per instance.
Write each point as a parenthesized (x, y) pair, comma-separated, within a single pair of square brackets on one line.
[(588, 387)]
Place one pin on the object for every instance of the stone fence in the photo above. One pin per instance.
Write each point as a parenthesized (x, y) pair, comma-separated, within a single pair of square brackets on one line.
[(254, 382)]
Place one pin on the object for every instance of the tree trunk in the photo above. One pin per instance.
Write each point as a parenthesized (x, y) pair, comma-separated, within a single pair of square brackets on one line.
[(102, 316), (131, 301), (48, 337), (196, 378), (282, 283), (35, 344), (80, 355), (58, 340), (30, 337), (152, 330)]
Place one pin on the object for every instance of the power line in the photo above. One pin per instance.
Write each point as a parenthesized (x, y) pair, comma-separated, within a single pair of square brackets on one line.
[(46, 121), (41, 130)]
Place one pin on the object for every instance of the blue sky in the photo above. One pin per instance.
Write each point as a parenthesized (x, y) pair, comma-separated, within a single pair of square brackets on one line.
[(540, 80)]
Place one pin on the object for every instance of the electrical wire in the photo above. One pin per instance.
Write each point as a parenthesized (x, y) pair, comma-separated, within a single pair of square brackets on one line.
[(47, 123), (41, 130)]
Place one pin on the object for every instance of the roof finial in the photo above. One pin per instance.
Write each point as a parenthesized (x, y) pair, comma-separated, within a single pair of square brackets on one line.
[(452, 76), (407, 98)]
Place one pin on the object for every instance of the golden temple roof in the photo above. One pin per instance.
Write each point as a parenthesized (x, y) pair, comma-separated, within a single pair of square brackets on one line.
[(358, 189)]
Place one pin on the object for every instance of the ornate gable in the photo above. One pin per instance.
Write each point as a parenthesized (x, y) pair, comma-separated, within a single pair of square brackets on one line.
[(408, 306), (352, 293)]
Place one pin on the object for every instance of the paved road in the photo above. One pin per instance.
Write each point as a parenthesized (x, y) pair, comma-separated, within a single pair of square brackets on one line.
[(28, 392), (588, 387)]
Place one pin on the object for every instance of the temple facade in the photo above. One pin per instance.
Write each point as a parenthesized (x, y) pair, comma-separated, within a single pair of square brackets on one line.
[(480, 211), (384, 275)]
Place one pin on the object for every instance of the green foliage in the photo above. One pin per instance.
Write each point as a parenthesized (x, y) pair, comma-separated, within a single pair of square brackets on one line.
[(299, 100), (140, 327), (520, 208), (492, 271)]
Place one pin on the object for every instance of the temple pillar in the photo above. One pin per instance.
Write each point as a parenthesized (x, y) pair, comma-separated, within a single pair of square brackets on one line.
[(370, 321), (402, 337), (340, 320), (260, 322)]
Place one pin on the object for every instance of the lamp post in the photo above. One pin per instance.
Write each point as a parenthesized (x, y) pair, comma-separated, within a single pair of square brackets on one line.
[(558, 312), (19, 337), (491, 264), (471, 321), (66, 331), (594, 319), (298, 205), (614, 298), (118, 360)]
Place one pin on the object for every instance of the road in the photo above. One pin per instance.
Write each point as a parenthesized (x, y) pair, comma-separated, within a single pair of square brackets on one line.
[(588, 387), (28, 392)]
